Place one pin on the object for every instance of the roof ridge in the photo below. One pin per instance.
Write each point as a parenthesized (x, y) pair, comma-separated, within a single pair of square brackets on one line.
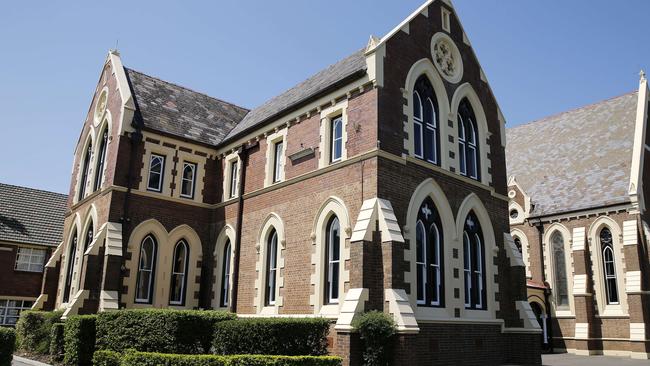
[(188, 89), (591, 105), (33, 189)]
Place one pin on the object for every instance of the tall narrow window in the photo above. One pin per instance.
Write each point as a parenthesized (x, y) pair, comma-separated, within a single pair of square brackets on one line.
[(72, 252), (225, 276), (156, 173), (425, 121), (428, 242), (87, 241), (179, 274), (146, 270), (333, 255), (187, 180), (277, 161), (336, 138), (468, 141), (271, 267), (609, 266), (474, 264), (559, 270), (84, 172), (99, 171), (233, 178), (518, 244)]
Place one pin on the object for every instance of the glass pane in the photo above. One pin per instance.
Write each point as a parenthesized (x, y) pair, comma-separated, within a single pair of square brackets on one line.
[(417, 106), (335, 281), (142, 292), (179, 258), (417, 138), (471, 161), (429, 144), (461, 158)]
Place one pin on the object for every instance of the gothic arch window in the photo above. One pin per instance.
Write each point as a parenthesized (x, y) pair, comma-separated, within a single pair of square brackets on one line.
[(518, 245), (468, 151), (474, 264), (333, 257), (84, 171), (72, 254), (271, 268), (609, 266), (225, 276), (101, 158), (87, 240), (429, 255), (425, 121), (146, 270), (561, 284), (179, 274)]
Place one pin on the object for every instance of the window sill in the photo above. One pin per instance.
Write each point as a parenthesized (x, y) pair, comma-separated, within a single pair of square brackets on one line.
[(329, 310), (27, 271), (269, 310)]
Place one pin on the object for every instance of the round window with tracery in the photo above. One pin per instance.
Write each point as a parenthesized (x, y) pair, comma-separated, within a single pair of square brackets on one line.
[(446, 57), (100, 108)]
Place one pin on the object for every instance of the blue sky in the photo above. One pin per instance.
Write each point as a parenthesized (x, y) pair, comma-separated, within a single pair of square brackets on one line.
[(541, 57)]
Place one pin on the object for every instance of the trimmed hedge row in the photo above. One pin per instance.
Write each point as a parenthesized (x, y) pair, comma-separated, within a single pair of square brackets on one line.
[(34, 328), (158, 330), (57, 341), (106, 358), (79, 340), (160, 359), (271, 336), (7, 345)]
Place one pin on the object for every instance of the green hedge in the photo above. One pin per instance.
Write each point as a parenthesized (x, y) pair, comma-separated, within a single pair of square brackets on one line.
[(57, 341), (271, 336), (106, 358), (160, 359), (34, 328), (79, 340), (7, 345), (158, 330), (376, 330)]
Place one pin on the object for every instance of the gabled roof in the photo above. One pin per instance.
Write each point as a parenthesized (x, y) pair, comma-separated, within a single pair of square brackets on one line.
[(31, 216), (575, 160), (179, 111)]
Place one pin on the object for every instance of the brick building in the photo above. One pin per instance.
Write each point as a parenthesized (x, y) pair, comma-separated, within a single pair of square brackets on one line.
[(377, 183), (578, 212), (31, 226)]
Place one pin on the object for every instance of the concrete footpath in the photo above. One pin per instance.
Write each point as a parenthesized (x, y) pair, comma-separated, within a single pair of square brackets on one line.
[(567, 359), (21, 361)]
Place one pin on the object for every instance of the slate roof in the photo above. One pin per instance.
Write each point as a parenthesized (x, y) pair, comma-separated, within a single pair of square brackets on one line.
[(182, 112), (575, 160), (31, 216)]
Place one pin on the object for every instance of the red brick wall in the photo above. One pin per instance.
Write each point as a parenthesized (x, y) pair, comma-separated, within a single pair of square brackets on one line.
[(18, 283)]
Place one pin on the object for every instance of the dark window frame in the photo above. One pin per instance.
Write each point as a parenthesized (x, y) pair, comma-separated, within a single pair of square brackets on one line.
[(474, 277), (184, 274), (432, 294)]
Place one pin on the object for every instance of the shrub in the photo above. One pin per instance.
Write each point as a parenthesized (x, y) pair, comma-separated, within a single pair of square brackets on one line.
[(161, 359), (79, 340), (272, 336), (260, 360), (158, 330), (376, 330), (57, 341), (7, 345), (34, 328), (106, 358)]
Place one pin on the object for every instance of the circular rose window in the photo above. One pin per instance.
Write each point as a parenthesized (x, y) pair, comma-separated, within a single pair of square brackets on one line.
[(101, 106), (446, 57)]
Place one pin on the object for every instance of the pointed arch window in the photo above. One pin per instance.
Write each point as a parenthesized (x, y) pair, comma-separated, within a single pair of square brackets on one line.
[(179, 274), (518, 244), (188, 179), (609, 266), (225, 276), (72, 254), (429, 256), (559, 270), (87, 241), (474, 264), (84, 171), (468, 151), (271, 267), (333, 257), (426, 138), (146, 270), (99, 171)]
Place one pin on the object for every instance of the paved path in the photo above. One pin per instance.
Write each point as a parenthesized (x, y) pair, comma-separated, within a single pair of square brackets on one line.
[(566, 359), (20, 361)]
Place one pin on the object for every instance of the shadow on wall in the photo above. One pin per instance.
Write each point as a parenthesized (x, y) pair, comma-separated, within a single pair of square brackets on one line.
[(9, 224)]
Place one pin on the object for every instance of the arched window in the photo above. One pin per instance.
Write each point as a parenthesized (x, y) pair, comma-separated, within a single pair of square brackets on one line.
[(72, 253), (146, 270), (333, 256), (428, 243), (179, 274), (609, 266), (425, 121), (336, 130), (84, 171), (87, 240), (225, 276), (468, 153), (99, 171), (474, 264), (559, 270), (271, 267), (518, 244)]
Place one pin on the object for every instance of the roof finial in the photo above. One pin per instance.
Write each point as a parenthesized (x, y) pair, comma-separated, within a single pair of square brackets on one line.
[(642, 75)]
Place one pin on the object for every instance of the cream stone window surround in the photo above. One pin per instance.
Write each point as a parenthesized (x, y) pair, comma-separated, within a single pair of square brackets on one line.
[(429, 188), (419, 68), (521, 214), (100, 106), (272, 221), (226, 235), (450, 66), (333, 206), (90, 217), (90, 139), (325, 145), (525, 256), (445, 16), (549, 266), (595, 250), (106, 125), (199, 175), (467, 91), (67, 257), (227, 177), (168, 153), (271, 140), (166, 243)]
